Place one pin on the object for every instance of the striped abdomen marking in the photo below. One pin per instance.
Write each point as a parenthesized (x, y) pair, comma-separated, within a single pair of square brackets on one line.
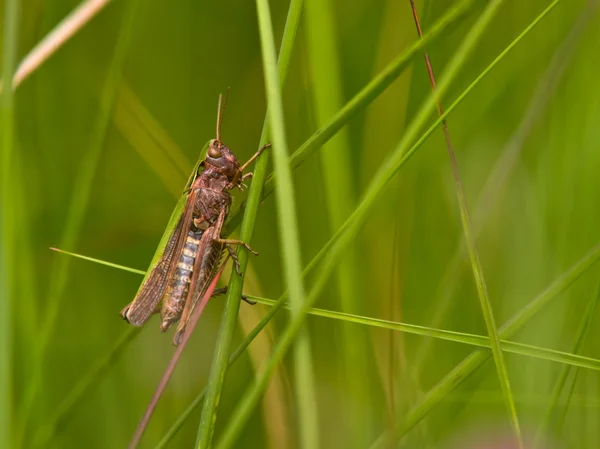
[(209, 262), (175, 296)]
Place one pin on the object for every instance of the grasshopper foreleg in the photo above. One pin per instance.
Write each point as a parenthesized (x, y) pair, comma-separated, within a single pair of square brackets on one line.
[(236, 179)]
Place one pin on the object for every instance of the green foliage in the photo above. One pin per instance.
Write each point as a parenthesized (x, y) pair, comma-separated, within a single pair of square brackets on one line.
[(100, 139)]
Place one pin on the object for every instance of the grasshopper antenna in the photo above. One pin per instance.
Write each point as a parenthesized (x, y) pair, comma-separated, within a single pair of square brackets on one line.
[(221, 112)]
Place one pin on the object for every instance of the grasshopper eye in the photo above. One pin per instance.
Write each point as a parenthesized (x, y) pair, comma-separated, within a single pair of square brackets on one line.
[(213, 151)]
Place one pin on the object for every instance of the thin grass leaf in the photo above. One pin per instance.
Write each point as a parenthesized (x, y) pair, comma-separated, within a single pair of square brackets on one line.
[(8, 226), (547, 354), (333, 250), (77, 210), (222, 359), (288, 234), (476, 359), (362, 99), (578, 345), (26, 314), (101, 262), (326, 85), (566, 358), (486, 306)]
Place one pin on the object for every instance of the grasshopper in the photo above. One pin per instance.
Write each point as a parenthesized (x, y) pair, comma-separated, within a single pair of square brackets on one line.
[(191, 249)]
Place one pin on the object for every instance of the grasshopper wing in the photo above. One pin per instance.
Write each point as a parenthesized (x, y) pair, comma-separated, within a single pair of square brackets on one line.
[(162, 266)]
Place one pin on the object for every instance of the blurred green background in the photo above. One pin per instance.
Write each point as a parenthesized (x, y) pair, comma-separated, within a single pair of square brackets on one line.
[(98, 174)]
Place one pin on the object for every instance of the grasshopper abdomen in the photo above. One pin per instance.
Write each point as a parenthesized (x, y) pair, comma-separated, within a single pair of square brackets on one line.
[(177, 291)]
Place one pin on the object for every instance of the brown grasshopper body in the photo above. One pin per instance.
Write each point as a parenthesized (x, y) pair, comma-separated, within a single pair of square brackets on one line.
[(195, 248)]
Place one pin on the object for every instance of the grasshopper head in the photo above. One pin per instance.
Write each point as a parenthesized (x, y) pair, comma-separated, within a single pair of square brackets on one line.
[(221, 159)]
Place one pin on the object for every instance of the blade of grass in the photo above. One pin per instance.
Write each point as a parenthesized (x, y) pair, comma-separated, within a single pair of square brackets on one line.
[(7, 225), (478, 358), (326, 83), (288, 234), (26, 315), (77, 210), (306, 396), (61, 33), (566, 358), (371, 91), (578, 345), (349, 230), (223, 346), (486, 306), (100, 262)]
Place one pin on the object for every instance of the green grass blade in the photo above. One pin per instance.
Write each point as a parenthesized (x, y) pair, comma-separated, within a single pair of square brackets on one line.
[(288, 233), (580, 338), (566, 358), (361, 100), (470, 239), (425, 331), (77, 209), (100, 262), (7, 225), (478, 358), (326, 83), (228, 323), (26, 313)]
